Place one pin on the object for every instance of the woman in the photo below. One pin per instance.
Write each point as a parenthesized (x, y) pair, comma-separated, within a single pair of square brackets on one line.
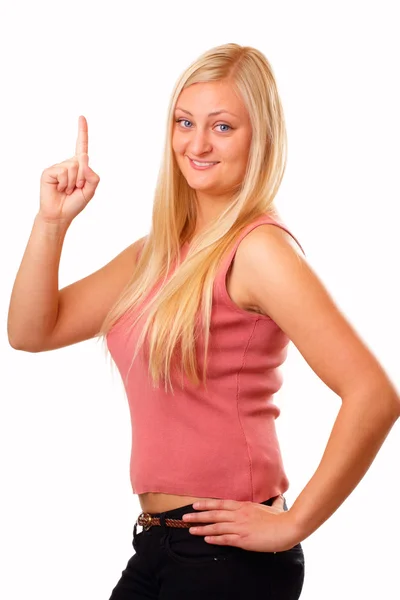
[(197, 316)]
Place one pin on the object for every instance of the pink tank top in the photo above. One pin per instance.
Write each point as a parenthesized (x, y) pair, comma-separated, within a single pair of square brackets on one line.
[(219, 443)]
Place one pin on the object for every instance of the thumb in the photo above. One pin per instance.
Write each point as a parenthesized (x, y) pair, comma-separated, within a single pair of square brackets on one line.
[(91, 181), (90, 175)]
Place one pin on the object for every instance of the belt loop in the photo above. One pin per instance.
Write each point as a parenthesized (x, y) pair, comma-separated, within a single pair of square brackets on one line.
[(162, 523), (134, 543)]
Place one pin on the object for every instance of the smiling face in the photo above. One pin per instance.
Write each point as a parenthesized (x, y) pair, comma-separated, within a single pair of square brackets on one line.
[(222, 138)]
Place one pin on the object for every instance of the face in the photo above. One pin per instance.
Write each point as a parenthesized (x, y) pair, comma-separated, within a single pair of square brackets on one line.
[(223, 139)]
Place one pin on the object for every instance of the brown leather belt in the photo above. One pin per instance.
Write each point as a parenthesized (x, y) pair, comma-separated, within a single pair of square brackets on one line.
[(147, 521)]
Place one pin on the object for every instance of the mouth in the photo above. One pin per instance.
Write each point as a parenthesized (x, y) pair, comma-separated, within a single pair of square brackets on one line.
[(202, 165)]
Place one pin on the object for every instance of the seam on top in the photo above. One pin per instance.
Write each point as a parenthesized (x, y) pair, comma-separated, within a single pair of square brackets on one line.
[(238, 410)]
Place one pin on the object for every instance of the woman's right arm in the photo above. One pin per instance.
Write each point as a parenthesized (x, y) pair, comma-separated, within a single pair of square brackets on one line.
[(41, 317), (34, 299)]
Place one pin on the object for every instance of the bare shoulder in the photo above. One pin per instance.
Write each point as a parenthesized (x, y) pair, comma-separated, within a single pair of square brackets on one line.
[(242, 282), (272, 232), (280, 281)]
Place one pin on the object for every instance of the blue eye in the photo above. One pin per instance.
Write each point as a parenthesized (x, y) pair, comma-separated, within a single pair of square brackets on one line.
[(182, 120), (224, 125), (187, 121)]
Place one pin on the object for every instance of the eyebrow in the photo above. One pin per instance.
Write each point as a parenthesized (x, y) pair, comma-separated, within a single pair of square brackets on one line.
[(215, 112)]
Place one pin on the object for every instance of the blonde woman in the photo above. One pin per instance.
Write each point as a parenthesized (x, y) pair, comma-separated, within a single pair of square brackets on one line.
[(197, 316)]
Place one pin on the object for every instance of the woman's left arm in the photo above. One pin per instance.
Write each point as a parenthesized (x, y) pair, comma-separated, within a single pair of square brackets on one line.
[(361, 426), (279, 280)]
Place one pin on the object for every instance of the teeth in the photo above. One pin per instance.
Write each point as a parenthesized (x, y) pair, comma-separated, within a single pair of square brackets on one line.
[(203, 164)]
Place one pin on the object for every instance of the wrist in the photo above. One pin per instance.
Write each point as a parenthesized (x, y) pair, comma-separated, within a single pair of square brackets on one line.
[(56, 226), (296, 527)]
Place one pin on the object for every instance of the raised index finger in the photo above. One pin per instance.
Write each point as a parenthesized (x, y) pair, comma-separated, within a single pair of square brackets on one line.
[(82, 141)]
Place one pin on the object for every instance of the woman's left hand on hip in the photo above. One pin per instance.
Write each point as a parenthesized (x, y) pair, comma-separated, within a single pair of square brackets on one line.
[(247, 525)]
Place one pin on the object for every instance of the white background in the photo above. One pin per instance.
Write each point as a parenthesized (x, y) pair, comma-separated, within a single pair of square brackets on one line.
[(67, 509)]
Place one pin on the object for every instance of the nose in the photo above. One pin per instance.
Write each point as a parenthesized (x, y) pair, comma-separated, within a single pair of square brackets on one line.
[(199, 143)]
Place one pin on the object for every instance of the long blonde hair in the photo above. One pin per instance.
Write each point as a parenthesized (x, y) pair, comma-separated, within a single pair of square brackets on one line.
[(182, 305)]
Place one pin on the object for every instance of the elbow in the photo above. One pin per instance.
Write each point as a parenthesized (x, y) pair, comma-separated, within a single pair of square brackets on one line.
[(397, 405), (393, 400), (19, 340), (23, 347), (381, 396)]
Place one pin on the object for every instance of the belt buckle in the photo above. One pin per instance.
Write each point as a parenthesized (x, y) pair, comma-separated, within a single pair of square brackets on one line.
[(146, 517)]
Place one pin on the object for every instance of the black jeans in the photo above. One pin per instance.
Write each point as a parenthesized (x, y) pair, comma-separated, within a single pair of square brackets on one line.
[(172, 564)]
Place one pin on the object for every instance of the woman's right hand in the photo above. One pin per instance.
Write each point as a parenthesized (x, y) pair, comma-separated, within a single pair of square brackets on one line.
[(67, 187)]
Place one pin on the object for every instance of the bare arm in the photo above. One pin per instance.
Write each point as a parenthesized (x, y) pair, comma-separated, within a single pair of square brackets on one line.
[(34, 299), (361, 426), (288, 290), (43, 318)]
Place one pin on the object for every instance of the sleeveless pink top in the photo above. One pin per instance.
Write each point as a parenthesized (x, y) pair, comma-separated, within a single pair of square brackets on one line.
[(219, 443)]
